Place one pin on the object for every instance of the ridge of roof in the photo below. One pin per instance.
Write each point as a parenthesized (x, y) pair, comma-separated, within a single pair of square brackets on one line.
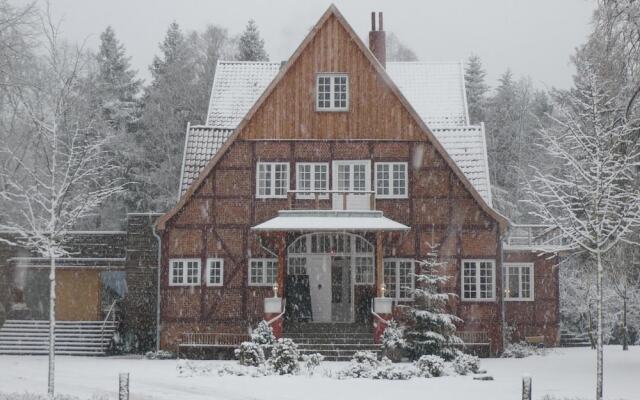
[(333, 11)]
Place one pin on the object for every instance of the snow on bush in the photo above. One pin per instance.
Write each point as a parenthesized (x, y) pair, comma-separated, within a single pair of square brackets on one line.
[(365, 364), (250, 354), (188, 368), (430, 365), (159, 355), (465, 363), (263, 334), (284, 357), (312, 361), (388, 371), (520, 350), (392, 337)]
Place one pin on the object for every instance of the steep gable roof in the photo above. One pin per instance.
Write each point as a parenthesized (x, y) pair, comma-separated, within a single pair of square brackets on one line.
[(333, 12)]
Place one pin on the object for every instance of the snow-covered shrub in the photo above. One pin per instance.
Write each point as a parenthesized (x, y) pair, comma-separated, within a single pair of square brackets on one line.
[(365, 357), (391, 372), (466, 363), (250, 354), (159, 355), (284, 357), (518, 350), (188, 368), (430, 365), (450, 353), (362, 365), (263, 334), (393, 341), (239, 370), (312, 361)]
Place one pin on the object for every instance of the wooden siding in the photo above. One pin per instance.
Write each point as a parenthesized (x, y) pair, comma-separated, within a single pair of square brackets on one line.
[(289, 112)]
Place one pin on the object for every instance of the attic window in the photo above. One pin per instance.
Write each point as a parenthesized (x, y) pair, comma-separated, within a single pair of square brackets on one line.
[(332, 92)]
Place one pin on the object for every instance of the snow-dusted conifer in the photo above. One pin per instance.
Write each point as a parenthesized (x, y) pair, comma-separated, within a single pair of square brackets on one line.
[(251, 45), (476, 87)]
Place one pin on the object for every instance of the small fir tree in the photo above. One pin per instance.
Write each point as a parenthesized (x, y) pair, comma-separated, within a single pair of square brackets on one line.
[(431, 329), (251, 45), (474, 79)]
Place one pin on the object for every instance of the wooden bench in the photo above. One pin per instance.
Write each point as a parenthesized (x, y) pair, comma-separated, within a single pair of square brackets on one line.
[(211, 340), (535, 340)]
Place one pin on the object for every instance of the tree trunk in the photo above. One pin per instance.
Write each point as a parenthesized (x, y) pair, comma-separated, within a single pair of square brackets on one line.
[(625, 332), (52, 327), (599, 369)]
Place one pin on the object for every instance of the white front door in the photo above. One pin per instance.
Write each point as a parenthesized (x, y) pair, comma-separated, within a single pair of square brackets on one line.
[(319, 270), (352, 176)]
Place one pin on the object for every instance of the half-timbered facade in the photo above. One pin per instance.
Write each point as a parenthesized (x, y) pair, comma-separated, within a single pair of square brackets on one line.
[(317, 186)]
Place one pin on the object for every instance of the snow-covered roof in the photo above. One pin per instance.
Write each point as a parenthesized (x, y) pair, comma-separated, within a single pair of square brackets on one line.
[(435, 90), (466, 145), (236, 86), (329, 221), (201, 144)]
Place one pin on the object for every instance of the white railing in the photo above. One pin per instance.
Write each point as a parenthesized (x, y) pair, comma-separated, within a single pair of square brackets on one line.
[(111, 313), (532, 235), (193, 339), (277, 317), (474, 338), (337, 199)]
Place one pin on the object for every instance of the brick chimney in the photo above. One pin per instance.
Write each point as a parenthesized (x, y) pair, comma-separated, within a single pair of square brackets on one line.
[(377, 39)]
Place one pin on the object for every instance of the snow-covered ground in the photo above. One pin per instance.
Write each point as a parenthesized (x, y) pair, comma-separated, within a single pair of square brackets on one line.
[(561, 373)]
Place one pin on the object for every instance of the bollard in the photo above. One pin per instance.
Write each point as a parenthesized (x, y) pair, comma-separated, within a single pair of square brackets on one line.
[(123, 380), (526, 387)]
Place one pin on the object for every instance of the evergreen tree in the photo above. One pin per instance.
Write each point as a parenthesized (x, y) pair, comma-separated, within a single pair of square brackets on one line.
[(398, 51), (251, 45), (431, 329), (474, 79)]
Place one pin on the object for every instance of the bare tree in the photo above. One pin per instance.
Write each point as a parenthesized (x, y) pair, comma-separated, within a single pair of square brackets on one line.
[(66, 172), (593, 200)]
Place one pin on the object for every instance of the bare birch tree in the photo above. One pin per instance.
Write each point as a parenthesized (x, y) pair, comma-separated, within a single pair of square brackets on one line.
[(66, 172), (593, 200)]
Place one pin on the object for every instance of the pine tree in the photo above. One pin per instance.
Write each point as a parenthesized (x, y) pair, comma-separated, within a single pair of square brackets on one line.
[(474, 79), (398, 51), (431, 329), (251, 45)]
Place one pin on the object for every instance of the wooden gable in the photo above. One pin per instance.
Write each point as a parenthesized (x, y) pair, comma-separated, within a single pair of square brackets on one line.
[(289, 112)]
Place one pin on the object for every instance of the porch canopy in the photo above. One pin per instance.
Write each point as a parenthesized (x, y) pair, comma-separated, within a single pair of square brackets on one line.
[(330, 221)]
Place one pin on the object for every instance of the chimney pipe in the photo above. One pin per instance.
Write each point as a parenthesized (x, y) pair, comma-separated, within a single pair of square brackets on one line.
[(377, 39)]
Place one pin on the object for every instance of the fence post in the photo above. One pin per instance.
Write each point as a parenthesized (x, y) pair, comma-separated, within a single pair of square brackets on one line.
[(526, 387), (123, 386)]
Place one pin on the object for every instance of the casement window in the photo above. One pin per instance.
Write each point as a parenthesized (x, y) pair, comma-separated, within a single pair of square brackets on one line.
[(312, 177), (272, 180), (399, 278), (263, 271), (332, 92), (184, 272), (391, 179), (364, 274), (518, 278), (297, 266), (215, 272), (478, 280)]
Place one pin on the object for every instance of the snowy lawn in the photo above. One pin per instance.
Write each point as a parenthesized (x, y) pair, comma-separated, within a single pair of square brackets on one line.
[(561, 373)]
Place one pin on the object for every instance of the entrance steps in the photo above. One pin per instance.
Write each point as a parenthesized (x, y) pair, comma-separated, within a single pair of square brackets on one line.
[(335, 341), (570, 339), (31, 337)]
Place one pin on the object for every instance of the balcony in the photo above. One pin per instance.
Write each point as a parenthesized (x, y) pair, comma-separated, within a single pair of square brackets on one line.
[(532, 237), (339, 200)]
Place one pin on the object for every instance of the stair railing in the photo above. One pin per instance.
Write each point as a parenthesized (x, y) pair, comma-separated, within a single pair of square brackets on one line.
[(378, 317), (277, 317), (110, 313)]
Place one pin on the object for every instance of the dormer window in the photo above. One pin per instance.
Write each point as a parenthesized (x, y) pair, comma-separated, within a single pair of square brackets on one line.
[(332, 92)]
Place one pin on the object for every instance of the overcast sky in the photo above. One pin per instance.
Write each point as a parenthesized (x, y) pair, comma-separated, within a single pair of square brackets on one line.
[(532, 37)]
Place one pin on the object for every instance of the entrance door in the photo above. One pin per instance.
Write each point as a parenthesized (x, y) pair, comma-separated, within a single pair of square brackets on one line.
[(352, 176), (319, 270), (341, 289)]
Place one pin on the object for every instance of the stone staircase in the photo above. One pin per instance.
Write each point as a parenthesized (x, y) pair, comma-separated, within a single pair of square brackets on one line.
[(81, 338), (335, 341), (570, 339)]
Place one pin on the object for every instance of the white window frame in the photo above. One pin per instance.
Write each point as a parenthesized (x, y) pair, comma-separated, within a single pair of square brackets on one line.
[(477, 297), (210, 262), (396, 262), (313, 182), (332, 93), (184, 262), (272, 180), (369, 273), (264, 271), (392, 184), (506, 281)]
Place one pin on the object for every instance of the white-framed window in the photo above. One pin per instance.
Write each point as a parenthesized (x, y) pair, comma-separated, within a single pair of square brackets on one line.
[(399, 278), (478, 280), (297, 266), (391, 179), (184, 272), (263, 271), (518, 278), (215, 272), (272, 180), (332, 92), (312, 177), (364, 274)]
